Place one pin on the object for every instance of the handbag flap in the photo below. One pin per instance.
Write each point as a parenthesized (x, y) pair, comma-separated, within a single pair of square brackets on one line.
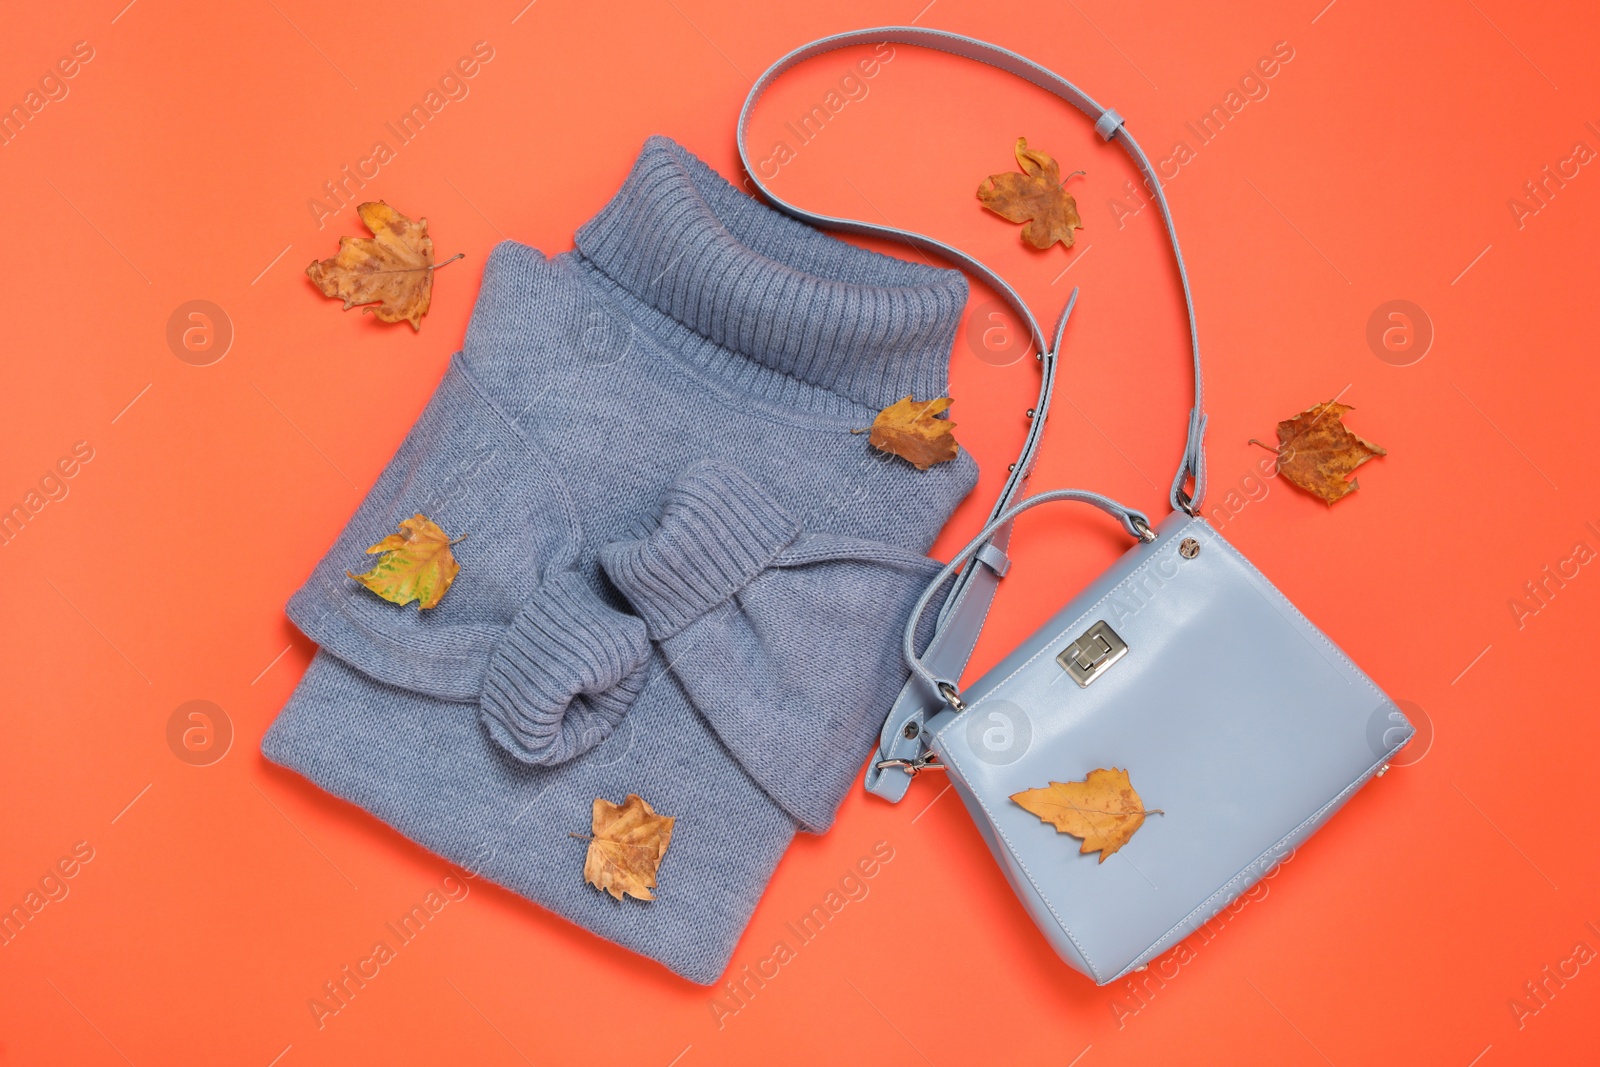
[(1233, 715)]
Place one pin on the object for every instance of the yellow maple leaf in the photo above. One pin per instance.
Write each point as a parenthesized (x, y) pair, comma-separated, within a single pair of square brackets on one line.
[(392, 269), (1103, 809), (626, 850), (908, 429), (417, 564)]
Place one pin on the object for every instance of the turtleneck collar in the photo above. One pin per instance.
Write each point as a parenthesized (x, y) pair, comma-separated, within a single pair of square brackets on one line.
[(772, 290)]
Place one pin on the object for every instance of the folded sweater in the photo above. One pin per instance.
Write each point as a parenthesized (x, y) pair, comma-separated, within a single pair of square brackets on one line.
[(683, 576)]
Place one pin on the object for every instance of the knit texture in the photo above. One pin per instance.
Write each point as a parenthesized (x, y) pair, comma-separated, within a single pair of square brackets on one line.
[(684, 577), (716, 531), (564, 674), (762, 635)]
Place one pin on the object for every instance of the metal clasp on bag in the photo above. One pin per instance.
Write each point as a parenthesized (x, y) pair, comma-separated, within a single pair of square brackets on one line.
[(1092, 654), (925, 762)]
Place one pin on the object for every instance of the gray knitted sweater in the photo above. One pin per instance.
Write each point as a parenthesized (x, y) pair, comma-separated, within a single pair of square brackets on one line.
[(684, 577)]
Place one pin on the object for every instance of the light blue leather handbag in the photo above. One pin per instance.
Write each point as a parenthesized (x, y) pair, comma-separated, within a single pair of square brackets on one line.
[(1181, 664)]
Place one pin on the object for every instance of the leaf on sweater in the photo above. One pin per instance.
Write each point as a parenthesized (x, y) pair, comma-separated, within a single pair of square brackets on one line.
[(417, 564), (1035, 197), (625, 852), (1103, 809), (393, 268), (910, 429), (1317, 453)]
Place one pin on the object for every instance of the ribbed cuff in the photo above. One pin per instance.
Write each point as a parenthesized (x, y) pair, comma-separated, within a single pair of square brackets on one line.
[(716, 531), (564, 674)]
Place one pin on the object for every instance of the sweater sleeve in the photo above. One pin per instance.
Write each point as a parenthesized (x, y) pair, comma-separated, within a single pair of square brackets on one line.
[(564, 673), (786, 641)]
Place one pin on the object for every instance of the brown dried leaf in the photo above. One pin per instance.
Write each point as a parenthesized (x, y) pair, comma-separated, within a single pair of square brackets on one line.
[(417, 564), (1035, 197), (909, 429), (626, 850), (1317, 453), (1103, 809), (393, 268)]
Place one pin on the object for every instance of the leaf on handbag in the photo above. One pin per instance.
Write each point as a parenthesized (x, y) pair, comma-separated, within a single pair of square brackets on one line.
[(625, 852), (1317, 453), (910, 429), (1103, 809), (417, 564), (393, 268), (1035, 197)]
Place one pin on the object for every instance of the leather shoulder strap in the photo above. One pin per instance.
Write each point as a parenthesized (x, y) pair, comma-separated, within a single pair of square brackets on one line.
[(967, 605)]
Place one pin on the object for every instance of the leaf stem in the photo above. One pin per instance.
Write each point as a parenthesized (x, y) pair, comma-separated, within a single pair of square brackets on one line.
[(1263, 444), (414, 270)]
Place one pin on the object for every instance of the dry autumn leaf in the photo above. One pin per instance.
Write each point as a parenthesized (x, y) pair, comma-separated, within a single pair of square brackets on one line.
[(1317, 453), (393, 268), (1035, 197), (909, 429), (1103, 809), (417, 564), (625, 852)]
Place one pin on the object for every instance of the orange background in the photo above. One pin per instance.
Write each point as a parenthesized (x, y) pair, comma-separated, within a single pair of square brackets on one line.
[(1382, 164)]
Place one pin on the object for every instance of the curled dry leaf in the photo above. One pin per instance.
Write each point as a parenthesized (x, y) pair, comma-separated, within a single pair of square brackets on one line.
[(392, 269), (417, 564), (1103, 809), (909, 429), (1035, 197), (625, 852), (1317, 453)]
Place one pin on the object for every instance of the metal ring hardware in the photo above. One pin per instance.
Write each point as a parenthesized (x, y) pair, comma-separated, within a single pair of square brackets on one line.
[(952, 697)]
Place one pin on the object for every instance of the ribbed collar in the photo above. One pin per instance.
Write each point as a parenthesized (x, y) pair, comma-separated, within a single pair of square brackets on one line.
[(772, 290)]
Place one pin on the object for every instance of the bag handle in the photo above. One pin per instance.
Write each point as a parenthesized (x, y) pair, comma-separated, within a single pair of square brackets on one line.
[(1135, 522), (961, 619)]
